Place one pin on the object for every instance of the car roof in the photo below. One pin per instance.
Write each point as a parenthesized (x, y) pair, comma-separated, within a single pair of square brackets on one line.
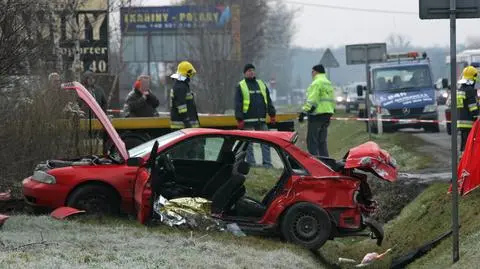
[(273, 136)]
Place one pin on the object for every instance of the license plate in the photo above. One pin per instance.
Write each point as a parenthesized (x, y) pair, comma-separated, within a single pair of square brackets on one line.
[(361, 106)]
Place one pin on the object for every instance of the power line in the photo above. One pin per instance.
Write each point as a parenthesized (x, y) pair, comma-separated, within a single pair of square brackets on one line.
[(348, 8)]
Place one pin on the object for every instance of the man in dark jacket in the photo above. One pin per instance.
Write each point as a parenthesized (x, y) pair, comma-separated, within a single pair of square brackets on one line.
[(140, 101), (252, 104), (88, 80)]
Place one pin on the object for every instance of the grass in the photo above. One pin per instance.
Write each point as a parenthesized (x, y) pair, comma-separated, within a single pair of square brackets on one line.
[(113, 243)]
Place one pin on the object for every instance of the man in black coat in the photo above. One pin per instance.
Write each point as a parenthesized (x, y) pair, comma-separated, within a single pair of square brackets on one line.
[(140, 101)]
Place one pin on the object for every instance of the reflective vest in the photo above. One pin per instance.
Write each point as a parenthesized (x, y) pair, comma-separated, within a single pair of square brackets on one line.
[(467, 106), (320, 96), (246, 93)]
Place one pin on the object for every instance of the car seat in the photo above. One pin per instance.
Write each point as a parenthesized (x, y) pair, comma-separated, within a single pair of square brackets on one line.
[(222, 175), (232, 190)]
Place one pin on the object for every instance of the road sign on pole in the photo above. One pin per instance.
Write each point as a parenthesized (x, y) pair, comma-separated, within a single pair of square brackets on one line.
[(366, 54), (452, 9), (328, 61)]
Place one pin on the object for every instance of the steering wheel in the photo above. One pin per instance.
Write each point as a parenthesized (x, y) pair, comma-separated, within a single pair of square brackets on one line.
[(167, 163)]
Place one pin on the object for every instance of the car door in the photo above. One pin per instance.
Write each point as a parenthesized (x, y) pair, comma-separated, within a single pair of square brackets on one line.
[(143, 191), (196, 160)]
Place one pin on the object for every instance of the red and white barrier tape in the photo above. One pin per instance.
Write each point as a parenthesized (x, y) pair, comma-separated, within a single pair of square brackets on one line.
[(392, 120)]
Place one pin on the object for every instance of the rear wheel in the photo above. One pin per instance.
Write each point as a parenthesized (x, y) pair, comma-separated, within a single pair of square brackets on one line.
[(95, 200), (307, 225)]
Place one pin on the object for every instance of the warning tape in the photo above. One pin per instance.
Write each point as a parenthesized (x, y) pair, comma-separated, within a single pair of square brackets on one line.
[(391, 120)]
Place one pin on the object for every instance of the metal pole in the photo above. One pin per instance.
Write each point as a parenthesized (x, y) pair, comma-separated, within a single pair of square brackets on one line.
[(367, 94), (149, 44), (453, 73)]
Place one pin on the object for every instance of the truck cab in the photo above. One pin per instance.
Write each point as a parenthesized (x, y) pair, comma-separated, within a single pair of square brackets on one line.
[(403, 88)]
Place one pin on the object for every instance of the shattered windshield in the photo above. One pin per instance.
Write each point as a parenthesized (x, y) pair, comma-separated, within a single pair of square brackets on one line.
[(145, 148), (402, 78)]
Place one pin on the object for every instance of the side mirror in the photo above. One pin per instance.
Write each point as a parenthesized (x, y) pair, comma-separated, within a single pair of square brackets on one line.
[(444, 83), (135, 161), (359, 90)]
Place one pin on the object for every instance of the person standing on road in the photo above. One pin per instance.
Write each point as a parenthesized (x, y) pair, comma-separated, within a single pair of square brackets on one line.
[(140, 101), (183, 110), (319, 106), (252, 104), (467, 103)]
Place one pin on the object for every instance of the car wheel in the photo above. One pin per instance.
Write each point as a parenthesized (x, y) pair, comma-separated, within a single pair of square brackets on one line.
[(449, 129), (347, 109), (95, 200), (307, 225)]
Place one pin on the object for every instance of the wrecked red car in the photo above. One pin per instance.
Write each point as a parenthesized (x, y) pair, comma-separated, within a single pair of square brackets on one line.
[(314, 199)]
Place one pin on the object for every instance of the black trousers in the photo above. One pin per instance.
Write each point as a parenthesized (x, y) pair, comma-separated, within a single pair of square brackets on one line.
[(464, 132), (317, 134)]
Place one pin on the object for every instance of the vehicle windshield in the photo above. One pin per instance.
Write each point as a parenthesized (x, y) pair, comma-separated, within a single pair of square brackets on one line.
[(145, 148), (402, 78)]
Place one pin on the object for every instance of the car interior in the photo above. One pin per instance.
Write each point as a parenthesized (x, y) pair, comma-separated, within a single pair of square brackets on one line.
[(186, 171)]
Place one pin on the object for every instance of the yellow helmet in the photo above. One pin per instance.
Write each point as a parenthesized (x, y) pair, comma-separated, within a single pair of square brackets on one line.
[(186, 69), (470, 73)]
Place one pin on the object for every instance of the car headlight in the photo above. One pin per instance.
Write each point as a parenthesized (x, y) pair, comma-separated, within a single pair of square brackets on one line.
[(444, 95), (43, 177), (339, 99), (430, 108), (348, 100)]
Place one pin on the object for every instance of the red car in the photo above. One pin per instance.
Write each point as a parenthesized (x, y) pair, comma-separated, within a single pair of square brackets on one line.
[(315, 199)]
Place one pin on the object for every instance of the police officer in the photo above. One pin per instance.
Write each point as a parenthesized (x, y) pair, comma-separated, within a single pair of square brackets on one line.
[(320, 106), (183, 110), (252, 104), (467, 103)]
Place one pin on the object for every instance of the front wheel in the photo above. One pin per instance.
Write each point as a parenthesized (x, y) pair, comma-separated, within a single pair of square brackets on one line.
[(307, 225), (95, 200)]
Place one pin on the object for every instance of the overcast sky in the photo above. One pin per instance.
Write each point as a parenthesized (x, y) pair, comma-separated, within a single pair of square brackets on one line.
[(321, 26)]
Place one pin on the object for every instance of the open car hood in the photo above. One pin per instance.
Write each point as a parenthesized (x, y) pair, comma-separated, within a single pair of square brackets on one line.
[(370, 157), (85, 95)]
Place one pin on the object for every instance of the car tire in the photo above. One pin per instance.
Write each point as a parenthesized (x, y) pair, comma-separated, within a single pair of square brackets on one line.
[(307, 225), (347, 109), (449, 129), (95, 200)]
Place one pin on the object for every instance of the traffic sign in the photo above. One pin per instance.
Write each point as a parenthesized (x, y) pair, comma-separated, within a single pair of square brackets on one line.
[(328, 60), (440, 9)]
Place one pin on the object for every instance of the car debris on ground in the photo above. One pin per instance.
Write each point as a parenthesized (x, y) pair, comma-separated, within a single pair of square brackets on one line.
[(193, 213)]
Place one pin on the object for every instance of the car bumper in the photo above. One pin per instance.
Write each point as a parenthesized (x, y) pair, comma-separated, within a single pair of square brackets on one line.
[(43, 195), (431, 116)]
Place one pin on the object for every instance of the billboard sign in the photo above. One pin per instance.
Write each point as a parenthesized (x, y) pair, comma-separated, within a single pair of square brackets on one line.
[(88, 25), (151, 19)]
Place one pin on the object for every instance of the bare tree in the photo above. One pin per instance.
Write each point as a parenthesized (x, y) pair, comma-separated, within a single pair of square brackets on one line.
[(398, 42), (261, 31)]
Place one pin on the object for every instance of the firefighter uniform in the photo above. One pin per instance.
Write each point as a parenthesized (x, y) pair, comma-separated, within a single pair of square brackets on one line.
[(319, 106), (467, 106), (183, 110)]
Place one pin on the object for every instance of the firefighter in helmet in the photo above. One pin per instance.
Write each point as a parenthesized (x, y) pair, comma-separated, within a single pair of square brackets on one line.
[(183, 110), (467, 106)]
